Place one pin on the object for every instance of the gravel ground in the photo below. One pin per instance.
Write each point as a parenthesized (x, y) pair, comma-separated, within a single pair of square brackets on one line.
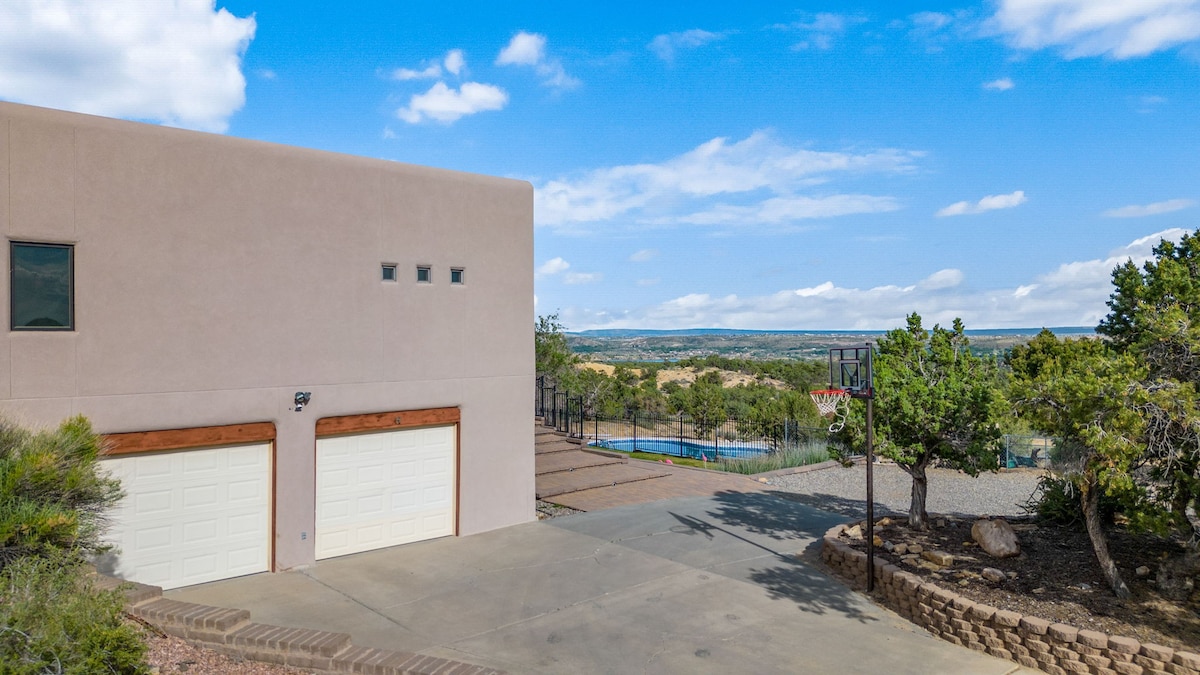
[(843, 490), (546, 510)]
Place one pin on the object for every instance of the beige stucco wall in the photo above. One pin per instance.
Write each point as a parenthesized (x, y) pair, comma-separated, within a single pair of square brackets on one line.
[(215, 277)]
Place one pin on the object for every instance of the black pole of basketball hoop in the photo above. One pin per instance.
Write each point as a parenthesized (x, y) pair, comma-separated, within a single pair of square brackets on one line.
[(870, 396), (870, 489), (861, 384)]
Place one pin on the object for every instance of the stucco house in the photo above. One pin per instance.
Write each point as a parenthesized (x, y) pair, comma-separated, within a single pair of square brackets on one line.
[(295, 354)]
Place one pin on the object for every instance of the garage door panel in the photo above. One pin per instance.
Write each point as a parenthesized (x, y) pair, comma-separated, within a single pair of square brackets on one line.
[(401, 529), (200, 496), (238, 492), (371, 475), (199, 462), (191, 516), (403, 501), (150, 503), (408, 469), (374, 489), (201, 532)]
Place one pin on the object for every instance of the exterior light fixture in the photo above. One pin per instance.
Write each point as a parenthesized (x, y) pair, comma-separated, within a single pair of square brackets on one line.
[(302, 399)]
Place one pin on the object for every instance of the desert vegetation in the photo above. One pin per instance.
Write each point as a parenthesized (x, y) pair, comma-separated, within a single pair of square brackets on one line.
[(53, 497)]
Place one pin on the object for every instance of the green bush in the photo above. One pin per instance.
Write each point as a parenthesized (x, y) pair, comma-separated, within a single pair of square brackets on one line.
[(53, 620), (53, 498), (52, 495), (1056, 499)]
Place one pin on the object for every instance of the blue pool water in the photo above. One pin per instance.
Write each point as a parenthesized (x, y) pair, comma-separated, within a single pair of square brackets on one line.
[(679, 448)]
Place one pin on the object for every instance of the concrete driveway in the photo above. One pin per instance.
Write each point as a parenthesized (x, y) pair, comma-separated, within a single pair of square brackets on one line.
[(689, 585)]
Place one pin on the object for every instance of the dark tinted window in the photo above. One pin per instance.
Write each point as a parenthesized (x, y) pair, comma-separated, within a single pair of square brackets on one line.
[(42, 286)]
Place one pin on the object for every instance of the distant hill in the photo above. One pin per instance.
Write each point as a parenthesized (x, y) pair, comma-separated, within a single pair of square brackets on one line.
[(671, 345), (634, 332)]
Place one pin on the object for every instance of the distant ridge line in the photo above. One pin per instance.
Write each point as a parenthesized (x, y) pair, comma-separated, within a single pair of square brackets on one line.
[(633, 332)]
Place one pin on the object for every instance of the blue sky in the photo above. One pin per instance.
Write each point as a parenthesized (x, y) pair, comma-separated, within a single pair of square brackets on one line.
[(742, 165)]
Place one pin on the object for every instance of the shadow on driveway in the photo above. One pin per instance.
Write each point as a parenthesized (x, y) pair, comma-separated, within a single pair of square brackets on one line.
[(750, 516)]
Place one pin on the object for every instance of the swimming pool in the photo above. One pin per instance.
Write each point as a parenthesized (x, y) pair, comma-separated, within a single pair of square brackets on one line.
[(683, 448)]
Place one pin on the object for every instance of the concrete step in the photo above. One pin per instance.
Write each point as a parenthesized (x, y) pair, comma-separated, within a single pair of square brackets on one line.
[(564, 482), (541, 433), (551, 437), (556, 447), (570, 460)]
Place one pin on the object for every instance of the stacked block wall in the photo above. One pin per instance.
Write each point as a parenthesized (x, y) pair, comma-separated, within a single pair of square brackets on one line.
[(1030, 641)]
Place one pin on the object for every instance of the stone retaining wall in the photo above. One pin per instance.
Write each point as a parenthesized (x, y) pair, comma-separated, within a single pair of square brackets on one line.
[(230, 632), (1032, 642)]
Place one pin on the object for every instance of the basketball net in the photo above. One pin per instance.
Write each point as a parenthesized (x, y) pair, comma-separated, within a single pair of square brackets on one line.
[(832, 403)]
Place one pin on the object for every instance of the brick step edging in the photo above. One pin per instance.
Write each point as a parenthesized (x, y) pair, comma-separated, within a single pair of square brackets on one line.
[(230, 632), (1028, 640)]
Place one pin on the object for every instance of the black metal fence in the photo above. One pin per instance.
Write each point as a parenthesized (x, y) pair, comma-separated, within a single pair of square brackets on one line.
[(681, 436), (558, 409), (1033, 452), (676, 435)]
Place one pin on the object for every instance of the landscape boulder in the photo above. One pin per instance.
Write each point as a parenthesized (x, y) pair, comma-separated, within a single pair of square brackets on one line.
[(996, 537), (992, 574)]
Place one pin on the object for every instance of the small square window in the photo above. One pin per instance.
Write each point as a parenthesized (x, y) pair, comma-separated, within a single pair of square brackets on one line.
[(424, 274), (456, 275), (41, 286), (389, 272)]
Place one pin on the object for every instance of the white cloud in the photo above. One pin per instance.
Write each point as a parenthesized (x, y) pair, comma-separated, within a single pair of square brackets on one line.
[(557, 266), (644, 255), (931, 21), (577, 278), (1120, 29), (821, 29), (988, 203), (1002, 84), (947, 278), (445, 104), (553, 266), (524, 49), (454, 61), (667, 44), (178, 63), (782, 210), (754, 180), (431, 72), (1073, 294), (1147, 105), (529, 49), (934, 30), (1142, 210)]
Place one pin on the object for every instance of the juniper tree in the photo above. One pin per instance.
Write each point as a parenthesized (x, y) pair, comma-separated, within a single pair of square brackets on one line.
[(1091, 398), (1155, 316), (934, 404)]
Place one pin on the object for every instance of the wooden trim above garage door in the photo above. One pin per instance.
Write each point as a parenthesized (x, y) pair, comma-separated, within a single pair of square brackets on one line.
[(195, 437), (384, 421)]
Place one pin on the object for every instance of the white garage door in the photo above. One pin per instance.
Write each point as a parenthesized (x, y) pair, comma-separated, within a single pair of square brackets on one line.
[(191, 516), (384, 488)]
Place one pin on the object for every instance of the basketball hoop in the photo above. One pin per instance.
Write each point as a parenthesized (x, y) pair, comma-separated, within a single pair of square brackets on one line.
[(831, 402)]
